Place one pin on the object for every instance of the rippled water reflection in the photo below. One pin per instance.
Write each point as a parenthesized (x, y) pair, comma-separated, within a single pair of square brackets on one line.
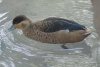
[(18, 51)]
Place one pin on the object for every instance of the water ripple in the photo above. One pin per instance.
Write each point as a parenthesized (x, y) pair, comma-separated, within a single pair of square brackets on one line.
[(18, 51)]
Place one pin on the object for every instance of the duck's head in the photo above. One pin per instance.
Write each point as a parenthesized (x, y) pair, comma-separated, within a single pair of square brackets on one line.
[(20, 22)]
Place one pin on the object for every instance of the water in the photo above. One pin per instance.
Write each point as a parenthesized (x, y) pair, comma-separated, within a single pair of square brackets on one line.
[(18, 51)]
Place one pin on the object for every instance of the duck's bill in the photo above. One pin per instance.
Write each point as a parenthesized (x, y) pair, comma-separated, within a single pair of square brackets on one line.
[(11, 28)]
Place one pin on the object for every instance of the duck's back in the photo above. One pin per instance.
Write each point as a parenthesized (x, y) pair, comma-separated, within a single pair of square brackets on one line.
[(53, 24)]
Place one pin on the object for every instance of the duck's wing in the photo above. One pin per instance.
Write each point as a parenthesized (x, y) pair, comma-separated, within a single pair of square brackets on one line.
[(54, 24)]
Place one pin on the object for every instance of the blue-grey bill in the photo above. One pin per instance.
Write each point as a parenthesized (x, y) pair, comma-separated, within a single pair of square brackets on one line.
[(11, 28)]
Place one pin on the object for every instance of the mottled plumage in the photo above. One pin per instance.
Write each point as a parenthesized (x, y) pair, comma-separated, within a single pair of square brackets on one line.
[(51, 30)]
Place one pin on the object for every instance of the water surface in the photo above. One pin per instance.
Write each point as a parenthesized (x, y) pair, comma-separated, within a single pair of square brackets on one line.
[(18, 51)]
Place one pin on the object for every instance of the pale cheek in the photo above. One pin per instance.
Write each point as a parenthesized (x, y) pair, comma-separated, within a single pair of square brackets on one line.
[(18, 26)]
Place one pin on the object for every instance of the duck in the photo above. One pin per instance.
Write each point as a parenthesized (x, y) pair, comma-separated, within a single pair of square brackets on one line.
[(52, 30)]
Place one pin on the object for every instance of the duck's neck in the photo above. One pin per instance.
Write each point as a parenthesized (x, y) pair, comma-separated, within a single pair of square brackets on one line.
[(28, 27)]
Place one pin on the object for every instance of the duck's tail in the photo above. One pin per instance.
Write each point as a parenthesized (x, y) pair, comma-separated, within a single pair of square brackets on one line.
[(88, 32)]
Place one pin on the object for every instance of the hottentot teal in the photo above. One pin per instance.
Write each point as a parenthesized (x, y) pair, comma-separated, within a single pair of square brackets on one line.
[(51, 30)]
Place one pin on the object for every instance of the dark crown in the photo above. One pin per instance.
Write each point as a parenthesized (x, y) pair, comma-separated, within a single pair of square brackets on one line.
[(19, 18)]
